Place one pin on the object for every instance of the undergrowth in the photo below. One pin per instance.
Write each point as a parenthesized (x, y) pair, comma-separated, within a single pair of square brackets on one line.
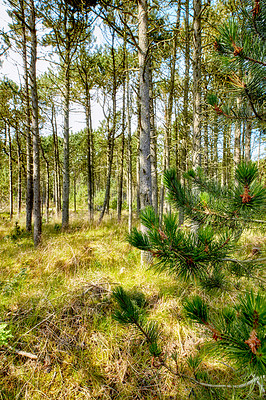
[(56, 308)]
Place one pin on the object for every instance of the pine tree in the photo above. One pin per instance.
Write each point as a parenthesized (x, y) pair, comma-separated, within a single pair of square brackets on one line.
[(206, 259), (240, 50)]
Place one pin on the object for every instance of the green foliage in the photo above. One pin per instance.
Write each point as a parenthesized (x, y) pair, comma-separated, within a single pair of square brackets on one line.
[(196, 310), (5, 334), (8, 287), (238, 332), (240, 52), (130, 312), (221, 212)]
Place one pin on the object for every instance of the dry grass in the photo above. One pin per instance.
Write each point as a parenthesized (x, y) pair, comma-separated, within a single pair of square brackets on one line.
[(57, 303)]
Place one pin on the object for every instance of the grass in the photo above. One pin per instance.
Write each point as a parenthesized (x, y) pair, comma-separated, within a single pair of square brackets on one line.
[(57, 303)]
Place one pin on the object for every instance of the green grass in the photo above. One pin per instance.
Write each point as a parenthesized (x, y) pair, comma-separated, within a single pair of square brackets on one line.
[(57, 303)]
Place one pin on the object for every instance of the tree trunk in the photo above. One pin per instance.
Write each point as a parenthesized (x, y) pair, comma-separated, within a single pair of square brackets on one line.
[(29, 192), (35, 131), (129, 155), (75, 191), (19, 192), (196, 156), (121, 173), (154, 175), (111, 136), (237, 150), (144, 87), (145, 182), (215, 147), (66, 179), (11, 194), (89, 152), (169, 110), (248, 131), (57, 196)]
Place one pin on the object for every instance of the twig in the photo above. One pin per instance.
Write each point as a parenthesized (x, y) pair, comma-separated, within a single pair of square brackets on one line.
[(254, 380), (23, 353)]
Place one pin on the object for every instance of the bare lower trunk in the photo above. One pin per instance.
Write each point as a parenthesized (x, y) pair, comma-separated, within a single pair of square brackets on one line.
[(47, 192), (89, 154), (66, 179), (11, 195), (57, 194), (237, 148), (248, 131), (144, 86), (154, 175), (129, 157), (29, 191), (111, 136), (196, 157), (145, 183), (19, 192), (35, 132), (121, 173)]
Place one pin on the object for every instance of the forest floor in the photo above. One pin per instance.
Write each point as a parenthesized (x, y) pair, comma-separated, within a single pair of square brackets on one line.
[(57, 303)]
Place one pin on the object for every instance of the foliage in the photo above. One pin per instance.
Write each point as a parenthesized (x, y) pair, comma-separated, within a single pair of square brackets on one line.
[(220, 214), (238, 331), (132, 313), (5, 334), (240, 51)]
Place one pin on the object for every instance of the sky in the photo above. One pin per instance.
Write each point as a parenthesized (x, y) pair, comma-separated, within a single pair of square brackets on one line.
[(11, 68)]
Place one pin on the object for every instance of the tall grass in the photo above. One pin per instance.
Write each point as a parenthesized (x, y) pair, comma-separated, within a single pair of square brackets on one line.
[(56, 301)]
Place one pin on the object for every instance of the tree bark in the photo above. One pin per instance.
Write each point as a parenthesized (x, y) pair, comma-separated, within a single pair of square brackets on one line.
[(11, 194), (196, 156), (154, 174), (248, 132), (29, 177), (19, 191), (237, 149), (111, 136), (130, 184), (89, 153), (144, 87), (35, 131), (57, 192), (121, 173), (66, 179)]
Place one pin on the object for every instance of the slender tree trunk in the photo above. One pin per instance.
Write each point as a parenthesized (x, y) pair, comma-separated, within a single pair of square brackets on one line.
[(89, 152), (145, 182), (144, 87), (47, 192), (29, 192), (196, 156), (75, 191), (138, 155), (169, 110), (111, 136), (185, 103), (248, 131), (121, 173), (35, 131), (11, 194), (19, 192), (130, 184), (237, 148), (57, 196), (66, 178), (154, 175), (215, 147), (205, 129)]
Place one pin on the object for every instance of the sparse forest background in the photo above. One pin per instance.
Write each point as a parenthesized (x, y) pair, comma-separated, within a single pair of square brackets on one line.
[(171, 162)]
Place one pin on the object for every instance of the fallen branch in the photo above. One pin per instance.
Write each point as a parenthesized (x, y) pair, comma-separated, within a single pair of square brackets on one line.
[(23, 353)]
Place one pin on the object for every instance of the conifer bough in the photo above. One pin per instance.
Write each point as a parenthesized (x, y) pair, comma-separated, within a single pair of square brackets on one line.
[(206, 258)]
